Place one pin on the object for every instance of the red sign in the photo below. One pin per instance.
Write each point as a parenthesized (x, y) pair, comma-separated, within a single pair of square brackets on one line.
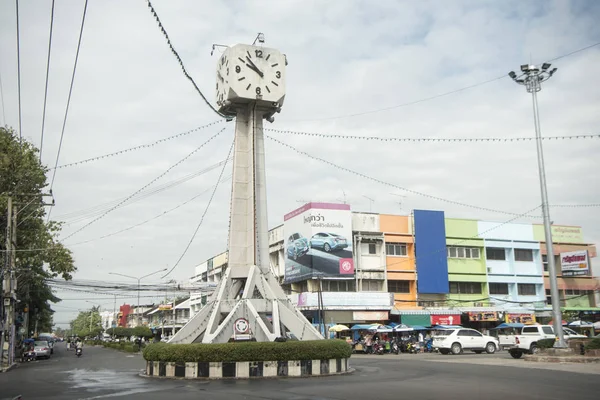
[(346, 266), (445, 320)]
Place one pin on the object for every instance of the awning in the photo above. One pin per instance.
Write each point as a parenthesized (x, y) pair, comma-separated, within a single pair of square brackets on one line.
[(595, 309), (396, 311), (411, 320)]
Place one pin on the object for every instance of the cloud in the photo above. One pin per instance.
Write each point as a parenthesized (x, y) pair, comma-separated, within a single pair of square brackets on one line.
[(345, 58)]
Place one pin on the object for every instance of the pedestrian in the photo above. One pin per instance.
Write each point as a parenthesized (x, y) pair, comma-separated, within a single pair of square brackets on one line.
[(421, 341)]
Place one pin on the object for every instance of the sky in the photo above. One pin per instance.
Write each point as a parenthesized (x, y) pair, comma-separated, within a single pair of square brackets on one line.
[(355, 68)]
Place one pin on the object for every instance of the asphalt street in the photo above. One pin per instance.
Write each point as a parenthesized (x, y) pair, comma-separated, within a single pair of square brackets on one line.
[(105, 373)]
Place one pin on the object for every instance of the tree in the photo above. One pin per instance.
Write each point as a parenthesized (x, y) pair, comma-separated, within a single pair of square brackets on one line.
[(23, 177), (85, 320)]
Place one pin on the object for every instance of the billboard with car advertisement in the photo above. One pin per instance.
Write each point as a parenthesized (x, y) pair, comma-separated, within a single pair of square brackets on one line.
[(318, 242)]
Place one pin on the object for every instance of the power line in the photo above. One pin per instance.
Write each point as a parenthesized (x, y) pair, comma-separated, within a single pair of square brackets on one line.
[(203, 214), (47, 74), (142, 146), (97, 210), (434, 139), (163, 30), (62, 134), (143, 222), (145, 186), (19, 68), (2, 100), (387, 183), (437, 96)]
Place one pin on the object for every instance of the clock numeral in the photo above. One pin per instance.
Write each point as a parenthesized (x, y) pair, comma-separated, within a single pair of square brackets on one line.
[(278, 74), (242, 78), (267, 59), (228, 71), (238, 69), (274, 83), (258, 91), (242, 60), (258, 53), (248, 87), (274, 65), (268, 90)]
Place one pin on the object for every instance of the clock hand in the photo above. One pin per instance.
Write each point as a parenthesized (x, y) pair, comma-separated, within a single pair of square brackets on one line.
[(254, 67)]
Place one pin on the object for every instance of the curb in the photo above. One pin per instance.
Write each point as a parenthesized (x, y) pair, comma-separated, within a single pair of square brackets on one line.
[(247, 369), (13, 366), (563, 360)]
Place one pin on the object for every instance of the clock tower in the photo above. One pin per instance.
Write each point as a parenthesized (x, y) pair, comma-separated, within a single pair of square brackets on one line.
[(251, 87)]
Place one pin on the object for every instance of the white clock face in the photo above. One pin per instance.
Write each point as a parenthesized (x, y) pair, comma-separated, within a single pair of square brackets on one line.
[(249, 73)]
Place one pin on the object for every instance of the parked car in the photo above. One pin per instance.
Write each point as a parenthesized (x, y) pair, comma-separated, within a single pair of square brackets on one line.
[(297, 246), (328, 241), (42, 349), (459, 339), (48, 339), (526, 341)]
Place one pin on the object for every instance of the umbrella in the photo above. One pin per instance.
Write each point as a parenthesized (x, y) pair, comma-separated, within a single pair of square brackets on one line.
[(597, 325), (339, 328), (506, 325), (402, 328)]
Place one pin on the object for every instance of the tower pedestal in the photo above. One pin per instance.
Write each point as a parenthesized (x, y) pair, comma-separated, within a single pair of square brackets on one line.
[(248, 287)]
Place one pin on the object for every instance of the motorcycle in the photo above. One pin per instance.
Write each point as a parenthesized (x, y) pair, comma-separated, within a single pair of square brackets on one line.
[(28, 356), (378, 348), (78, 351), (395, 348), (411, 348)]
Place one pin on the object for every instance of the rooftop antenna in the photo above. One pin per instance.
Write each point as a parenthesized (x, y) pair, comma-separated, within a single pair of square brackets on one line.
[(400, 201)]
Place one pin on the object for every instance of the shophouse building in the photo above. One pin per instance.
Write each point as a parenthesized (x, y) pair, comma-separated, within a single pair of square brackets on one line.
[(418, 269)]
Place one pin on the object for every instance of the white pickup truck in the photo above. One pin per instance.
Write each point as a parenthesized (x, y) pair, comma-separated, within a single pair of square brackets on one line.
[(526, 341)]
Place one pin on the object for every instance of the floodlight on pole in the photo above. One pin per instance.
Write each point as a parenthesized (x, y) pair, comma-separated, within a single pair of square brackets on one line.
[(138, 287), (532, 79)]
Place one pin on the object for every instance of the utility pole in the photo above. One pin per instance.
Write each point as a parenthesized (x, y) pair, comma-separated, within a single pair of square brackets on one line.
[(9, 297), (532, 77)]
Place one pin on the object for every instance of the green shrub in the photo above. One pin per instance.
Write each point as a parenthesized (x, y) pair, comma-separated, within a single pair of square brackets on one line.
[(545, 343), (593, 344), (248, 351)]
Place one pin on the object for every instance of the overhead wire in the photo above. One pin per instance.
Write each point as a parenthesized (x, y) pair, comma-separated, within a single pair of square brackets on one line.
[(203, 214), (142, 146), (97, 210), (430, 139), (145, 186), (62, 133), (187, 75), (46, 85), (19, 68), (360, 174), (143, 222), (437, 96), (2, 101)]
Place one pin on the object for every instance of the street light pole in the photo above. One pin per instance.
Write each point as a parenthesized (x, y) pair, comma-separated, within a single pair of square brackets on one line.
[(138, 287), (532, 77)]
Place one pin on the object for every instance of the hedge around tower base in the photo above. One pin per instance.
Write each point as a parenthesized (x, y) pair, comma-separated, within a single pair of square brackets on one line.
[(248, 351)]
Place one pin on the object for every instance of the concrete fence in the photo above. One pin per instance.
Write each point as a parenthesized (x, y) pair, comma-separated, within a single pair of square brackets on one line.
[(246, 369)]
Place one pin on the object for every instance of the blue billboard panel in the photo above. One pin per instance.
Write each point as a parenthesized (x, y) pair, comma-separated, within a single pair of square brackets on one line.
[(430, 252)]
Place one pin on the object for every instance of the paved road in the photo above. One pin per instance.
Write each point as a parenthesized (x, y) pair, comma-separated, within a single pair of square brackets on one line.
[(109, 374)]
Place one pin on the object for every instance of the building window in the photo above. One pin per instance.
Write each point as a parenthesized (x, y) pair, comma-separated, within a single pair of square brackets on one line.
[(494, 253), (463, 252), (369, 285), (465, 287), (395, 249), (526, 289), (372, 248), (339, 286), (399, 286), (545, 261), (575, 292), (523, 255), (498, 288)]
